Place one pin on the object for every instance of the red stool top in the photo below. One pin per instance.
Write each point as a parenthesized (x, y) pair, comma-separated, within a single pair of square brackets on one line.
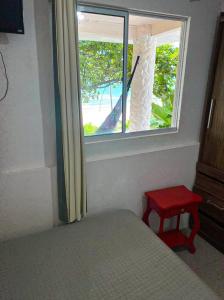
[(174, 197)]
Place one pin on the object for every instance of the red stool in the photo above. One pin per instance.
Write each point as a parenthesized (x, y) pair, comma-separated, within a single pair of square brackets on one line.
[(172, 202)]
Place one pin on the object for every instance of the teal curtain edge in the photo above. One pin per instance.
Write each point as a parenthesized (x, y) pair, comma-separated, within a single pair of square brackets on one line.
[(62, 204)]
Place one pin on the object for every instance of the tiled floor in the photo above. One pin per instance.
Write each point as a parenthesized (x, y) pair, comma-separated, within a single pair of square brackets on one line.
[(207, 263)]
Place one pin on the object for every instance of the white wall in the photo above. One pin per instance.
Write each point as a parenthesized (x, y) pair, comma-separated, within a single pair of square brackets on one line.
[(27, 135), (122, 182), (222, 5), (118, 172)]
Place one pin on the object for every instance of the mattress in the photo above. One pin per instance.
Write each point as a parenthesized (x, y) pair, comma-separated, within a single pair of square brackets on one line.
[(109, 256)]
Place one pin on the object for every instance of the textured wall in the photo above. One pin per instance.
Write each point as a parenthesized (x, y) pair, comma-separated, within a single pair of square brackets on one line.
[(27, 148), (142, 84), (121, 182)]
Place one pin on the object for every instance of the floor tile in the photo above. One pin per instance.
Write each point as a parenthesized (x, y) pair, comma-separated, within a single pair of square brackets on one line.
[(207, 263)]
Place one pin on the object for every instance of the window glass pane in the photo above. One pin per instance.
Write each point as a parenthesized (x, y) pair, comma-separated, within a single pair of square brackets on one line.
[(151, 98), (101, 71)]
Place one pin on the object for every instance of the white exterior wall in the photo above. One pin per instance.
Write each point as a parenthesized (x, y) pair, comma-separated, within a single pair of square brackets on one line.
[(144, 45)]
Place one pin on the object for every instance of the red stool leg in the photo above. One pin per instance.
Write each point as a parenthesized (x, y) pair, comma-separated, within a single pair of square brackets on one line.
[(194, 231), (146, 214), (161, 225), (178, 222)]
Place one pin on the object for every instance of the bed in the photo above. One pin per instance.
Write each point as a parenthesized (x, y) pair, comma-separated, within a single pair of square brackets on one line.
[(109, 256)]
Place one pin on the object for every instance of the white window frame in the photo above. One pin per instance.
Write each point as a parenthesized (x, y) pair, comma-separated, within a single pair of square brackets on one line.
[(108, 10)]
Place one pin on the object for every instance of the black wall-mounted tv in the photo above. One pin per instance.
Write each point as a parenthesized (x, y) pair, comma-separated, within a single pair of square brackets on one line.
[(11, 16)]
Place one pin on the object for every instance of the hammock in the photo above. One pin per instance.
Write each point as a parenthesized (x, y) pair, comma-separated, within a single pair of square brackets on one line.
[(112, 119)]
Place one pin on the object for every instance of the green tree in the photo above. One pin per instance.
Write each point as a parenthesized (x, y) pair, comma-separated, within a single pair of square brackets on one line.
[(101, 65), (164, 85), (89, 129)]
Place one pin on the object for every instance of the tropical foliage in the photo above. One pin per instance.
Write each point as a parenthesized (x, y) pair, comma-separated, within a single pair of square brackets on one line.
[(164, 85), (89, 129), (101, 66)]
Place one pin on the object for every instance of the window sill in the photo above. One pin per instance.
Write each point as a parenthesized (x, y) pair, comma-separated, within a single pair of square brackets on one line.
[(126, 136), (95, 158)]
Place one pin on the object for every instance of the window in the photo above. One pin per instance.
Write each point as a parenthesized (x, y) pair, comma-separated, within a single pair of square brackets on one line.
[(131, 71)]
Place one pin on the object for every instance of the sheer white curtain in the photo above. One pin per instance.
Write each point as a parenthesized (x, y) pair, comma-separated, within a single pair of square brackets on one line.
[(71, 123)]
